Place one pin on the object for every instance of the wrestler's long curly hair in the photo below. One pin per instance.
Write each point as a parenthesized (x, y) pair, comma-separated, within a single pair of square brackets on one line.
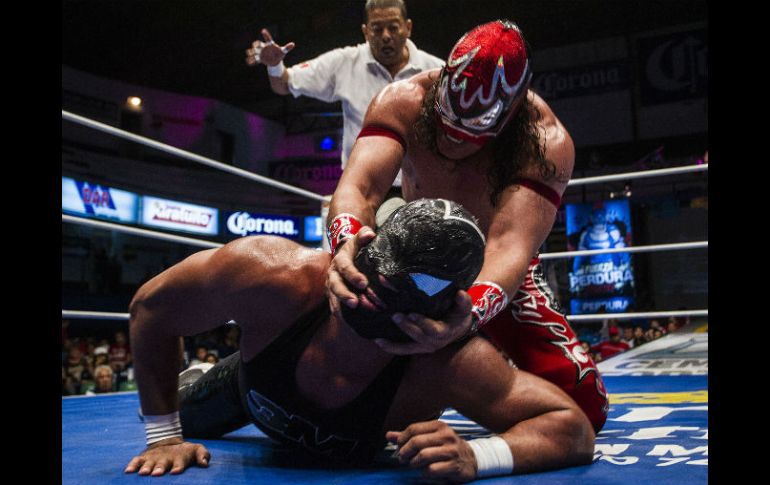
[(515, 148)]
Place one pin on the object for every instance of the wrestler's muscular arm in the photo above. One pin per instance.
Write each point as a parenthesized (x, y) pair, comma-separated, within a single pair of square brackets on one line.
[(520, 223), (372, 166), (542, 426), (524, 218), (240, 281)]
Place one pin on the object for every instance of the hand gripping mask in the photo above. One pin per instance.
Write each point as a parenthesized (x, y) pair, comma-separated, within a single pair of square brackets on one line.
[(484, 80), (427, 250)]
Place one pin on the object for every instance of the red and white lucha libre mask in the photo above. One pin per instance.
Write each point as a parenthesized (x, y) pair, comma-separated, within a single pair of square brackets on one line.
[(484, 80)]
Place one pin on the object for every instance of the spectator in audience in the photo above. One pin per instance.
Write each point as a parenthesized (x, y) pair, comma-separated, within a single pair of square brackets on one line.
[(212, 358), (681, 321), (648, 334), (75, 369), (210, 340), (639, 337), (101, 356), (655, 325), (607, 324), (120, 353), (657, 333), (201, 352), (104, 381), (125, 379), (79, 343), (628, 336), (229, 345), (587, 349), (90, 343), (608, 348), (672, 325)]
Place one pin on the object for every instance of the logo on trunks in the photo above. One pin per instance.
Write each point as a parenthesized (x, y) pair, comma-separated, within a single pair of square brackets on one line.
[(538, 279), (269, 416), (529, 304)]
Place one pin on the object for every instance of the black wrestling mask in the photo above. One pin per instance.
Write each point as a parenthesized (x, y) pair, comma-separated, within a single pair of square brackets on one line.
[(427, 250)]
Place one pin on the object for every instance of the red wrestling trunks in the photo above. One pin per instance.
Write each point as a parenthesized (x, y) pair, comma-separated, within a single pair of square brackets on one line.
[(537, 337)]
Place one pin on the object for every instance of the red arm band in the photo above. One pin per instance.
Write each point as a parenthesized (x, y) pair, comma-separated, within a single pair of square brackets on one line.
[(542, 189), (488, 300), (370, 130), (342, 227)]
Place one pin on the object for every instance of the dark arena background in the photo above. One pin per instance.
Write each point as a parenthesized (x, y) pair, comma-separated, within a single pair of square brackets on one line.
[(171, 144)]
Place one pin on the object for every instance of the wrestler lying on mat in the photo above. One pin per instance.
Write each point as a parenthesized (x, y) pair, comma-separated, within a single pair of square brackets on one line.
[(317, 382)]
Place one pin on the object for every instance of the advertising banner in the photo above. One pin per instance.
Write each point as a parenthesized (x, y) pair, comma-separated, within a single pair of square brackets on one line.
[(602, 282), (584, 80), (87, 199), (319, 176), (673, 67), (179, 216), (242, 223), (314, 230)]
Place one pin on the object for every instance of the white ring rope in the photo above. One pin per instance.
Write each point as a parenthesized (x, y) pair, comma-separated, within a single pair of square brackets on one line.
[(652, 248), (88, 315), (210, 244), (627, 316), (188, 155), (638, 175), (140, 232), (274, 183)]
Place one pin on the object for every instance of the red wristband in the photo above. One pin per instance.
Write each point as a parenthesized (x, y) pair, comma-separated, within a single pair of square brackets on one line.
[(343, 226), (488, 300)]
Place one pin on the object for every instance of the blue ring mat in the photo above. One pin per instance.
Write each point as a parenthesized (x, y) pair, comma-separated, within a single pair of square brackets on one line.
[(657, 432)]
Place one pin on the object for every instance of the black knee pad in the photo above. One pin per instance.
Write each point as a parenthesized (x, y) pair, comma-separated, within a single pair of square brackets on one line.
[(211, 406)]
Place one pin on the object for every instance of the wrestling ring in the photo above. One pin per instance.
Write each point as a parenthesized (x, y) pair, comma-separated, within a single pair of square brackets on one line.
[(657, 429)]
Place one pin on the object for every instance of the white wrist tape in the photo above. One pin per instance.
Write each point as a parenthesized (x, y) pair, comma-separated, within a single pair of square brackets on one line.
[(493, 456), (277, 70), (162, 427)]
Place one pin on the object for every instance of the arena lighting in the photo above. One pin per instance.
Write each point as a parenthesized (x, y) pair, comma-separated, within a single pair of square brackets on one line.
[(327, 143), (134, 102), (626, 192)]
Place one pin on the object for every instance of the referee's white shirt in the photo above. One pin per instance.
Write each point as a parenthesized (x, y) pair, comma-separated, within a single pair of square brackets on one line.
[(352, 75)]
